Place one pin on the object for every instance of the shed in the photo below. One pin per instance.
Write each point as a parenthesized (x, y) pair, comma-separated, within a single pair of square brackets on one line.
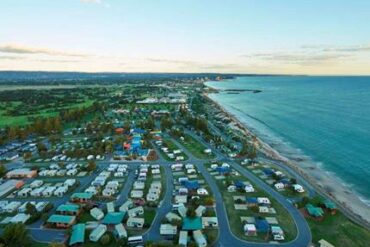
[(97, 233), (120, 231), (168, 229), (77, 235), (183, 238)]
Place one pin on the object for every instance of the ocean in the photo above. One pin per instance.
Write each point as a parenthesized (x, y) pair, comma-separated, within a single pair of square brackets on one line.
[(321, 120)]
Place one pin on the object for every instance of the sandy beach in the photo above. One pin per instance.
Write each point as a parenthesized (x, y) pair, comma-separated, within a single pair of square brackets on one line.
[(323, 182)]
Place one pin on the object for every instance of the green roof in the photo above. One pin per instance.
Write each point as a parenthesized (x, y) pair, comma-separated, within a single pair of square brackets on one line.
[(314, 211), (330, 205), (68, 208), (192, 224), (65, 219), (113, 218), (78, 234), (82, 195)]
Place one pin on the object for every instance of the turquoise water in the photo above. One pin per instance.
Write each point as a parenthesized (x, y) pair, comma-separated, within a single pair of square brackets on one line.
[(325, 120)]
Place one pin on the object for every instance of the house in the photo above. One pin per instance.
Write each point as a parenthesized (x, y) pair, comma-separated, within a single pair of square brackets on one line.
[(151, 197), (77, 235), (69, 182), (251, 201), (209, 222), (298, 188), (126, 206), (202, 191), (183, 191), (167, 230), (181, 199), (135, 211), (199, 238), (330, 206), (231, 188), (277, 233), (36, 183), (137, 194), (11, 207), (110, 207), (97, 213), (200, 210), (182, 210), (135, 222), (263, 209), (72, 172), (183, 238), (113, 218), (10, 185), (191, 185), (81, 197), (21, 173), (172, 216), (61, 191), (37, 192), (313, 211), (48, 191), (61, 221), (24, 192), (139, 185), (120, 231), (249, 188), (68, 209), (263, 201), (91, 190), (97, 233), (20, 218), (279, 186), (250, 230)]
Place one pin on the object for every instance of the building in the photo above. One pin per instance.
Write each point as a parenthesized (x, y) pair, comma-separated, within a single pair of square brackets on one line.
[(250, 230), (110, 207), (209, 222), (200, 210), (120, 231), (21, 173), (20, 218), (313, 211), (192, 224), (61, 221), (135, 222), (324, 243), (183, 238), (96, 213), (97, 233), (77, 235), (69, 209), (168, 230), (199, 238), (81, 197), (172, 216), (114, 218), (10, 185), (135, 211)]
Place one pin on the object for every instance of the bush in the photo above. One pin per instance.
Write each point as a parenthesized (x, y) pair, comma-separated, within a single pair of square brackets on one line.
[(105, 239)]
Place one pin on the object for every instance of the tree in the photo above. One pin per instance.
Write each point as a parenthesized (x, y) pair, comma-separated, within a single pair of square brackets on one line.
[(16, 235), (105, 239), (54, 244), (191, 212), (2, 170), (91, 166), (27, 155), (30, 209)]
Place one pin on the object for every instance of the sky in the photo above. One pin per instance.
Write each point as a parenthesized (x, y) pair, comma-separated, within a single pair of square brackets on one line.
[(330, 37)]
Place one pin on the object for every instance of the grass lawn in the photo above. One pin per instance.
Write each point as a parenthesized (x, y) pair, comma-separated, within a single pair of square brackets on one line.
[(195, 147), (339, 231)]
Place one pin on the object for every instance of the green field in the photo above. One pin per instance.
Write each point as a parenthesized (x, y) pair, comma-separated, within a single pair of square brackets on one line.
[(195, 147), (339, 231), (171, 146)]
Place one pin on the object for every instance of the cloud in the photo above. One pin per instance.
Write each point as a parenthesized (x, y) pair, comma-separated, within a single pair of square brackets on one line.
[(345, 49), (19, 49), (172, 61), (10, 58), (91, 1)]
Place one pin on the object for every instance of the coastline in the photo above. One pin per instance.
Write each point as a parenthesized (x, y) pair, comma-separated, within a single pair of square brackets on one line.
[(347, 201)]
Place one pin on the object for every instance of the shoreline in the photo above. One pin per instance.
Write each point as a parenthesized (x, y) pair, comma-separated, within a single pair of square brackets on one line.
[(330, 187)]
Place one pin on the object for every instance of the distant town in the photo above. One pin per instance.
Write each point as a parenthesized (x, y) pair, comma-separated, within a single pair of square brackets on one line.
[(147, 160)]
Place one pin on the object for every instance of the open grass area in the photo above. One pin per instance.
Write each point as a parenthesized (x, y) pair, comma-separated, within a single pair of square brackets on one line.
[(339, 231), (171, 146), (195, 147)]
